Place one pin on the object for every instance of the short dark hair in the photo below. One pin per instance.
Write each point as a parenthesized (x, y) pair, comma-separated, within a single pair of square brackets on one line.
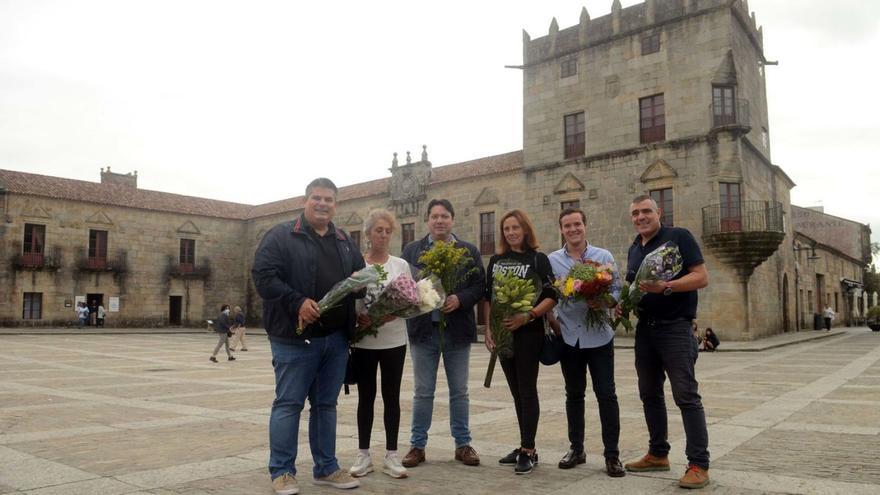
[(440, 202), (224, 308), (645, 197), (569, 211), (322, 182)]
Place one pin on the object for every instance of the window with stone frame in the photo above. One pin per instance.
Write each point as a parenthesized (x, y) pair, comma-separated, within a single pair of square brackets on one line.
[(663, 198), (723, 105), (652, 119), (568, 67), (407, 234), (97, 255), (34, 244), (731, 212), (356, 238), (32, 307), (651, 44), (575, 135), (487, 233), (187, 255)]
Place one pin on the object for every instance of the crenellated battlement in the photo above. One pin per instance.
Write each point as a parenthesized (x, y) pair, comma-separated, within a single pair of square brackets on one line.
[(627, 21)]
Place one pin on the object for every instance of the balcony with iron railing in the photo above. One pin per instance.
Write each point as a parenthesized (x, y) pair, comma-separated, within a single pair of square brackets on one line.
[(187, 269), (743, 234), (37, 261), (97, 262), (730, 115)]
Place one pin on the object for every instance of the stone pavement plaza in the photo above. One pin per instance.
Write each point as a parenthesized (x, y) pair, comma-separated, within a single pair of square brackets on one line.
[(142, 413)]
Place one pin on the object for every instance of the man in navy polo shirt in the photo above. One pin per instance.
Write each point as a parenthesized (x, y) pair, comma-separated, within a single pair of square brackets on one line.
[(664, 344)]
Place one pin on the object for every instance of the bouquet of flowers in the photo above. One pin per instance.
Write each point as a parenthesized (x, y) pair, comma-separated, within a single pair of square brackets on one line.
[(660, 265), (590, 282), (451, 265), (372, 274), (511, 296), (402, 297)]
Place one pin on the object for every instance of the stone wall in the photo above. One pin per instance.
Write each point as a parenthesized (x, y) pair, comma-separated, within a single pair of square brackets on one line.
[(149, 243), (821, 270)]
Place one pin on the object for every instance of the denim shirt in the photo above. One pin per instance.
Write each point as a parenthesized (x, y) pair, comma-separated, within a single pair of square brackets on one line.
[(573, 314)]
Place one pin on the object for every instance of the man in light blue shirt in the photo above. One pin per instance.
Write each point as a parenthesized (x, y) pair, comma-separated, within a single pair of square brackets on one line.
[(586, 347)]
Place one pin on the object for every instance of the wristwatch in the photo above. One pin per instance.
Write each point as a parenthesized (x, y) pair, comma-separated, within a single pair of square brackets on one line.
[(668, 290), (531, 316)]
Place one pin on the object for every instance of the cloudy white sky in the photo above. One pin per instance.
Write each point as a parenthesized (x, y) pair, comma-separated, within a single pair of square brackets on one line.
[(247, 100)]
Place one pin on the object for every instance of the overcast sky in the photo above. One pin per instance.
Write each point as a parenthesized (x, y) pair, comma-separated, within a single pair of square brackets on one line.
[(247, 100)]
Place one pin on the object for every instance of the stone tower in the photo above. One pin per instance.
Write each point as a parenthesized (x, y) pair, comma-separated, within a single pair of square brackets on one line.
[(666, 97)]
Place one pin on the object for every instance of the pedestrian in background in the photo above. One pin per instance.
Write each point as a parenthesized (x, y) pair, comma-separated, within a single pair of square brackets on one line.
[(222, 326), (99, 320), (238, 330)]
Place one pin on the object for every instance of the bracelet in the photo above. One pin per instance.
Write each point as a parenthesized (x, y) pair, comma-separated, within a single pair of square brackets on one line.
[(532, 316)]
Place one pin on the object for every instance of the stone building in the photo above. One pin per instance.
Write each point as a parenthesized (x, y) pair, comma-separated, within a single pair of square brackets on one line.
[(666, 97), (150, 258), (831, 255)]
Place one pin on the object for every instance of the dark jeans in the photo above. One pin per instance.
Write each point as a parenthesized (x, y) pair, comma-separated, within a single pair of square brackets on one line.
[(600, 361), (521, 371), (365, 362), (667, 349), (827, 323)]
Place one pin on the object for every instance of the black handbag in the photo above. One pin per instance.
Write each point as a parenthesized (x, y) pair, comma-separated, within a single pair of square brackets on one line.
[(350, 375), (551, 350)]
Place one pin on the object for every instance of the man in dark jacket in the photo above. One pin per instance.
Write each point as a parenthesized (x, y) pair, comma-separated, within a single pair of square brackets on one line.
[(221, 327), (425, 343), (295, 265)]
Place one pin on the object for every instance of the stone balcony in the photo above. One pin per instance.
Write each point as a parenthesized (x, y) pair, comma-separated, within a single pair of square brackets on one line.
[(744, 234), (731, 115)]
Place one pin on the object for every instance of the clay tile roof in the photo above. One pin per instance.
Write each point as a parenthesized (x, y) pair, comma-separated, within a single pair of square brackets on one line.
[(356, 191), (457, 171), (117, 195), (489, 165)]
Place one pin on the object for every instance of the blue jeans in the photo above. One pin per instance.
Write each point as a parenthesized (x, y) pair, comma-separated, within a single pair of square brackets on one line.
[(303, 370), (668, 349), (426, 361)]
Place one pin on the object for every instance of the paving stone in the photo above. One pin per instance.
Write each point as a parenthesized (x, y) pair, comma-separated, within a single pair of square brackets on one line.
[(148, 414)]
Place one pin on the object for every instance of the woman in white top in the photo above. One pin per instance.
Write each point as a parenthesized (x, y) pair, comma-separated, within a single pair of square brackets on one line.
[(385, 351)]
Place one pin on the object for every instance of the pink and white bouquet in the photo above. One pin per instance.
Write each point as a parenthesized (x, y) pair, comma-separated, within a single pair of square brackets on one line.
[(402, 297)]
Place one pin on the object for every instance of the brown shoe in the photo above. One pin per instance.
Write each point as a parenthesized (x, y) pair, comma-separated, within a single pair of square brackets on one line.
[(414, 457), (694, 477), (467, 455), (648, 463)]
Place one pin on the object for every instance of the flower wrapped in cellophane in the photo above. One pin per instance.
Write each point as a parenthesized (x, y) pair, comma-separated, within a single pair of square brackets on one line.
[(592, 283), (372, 274), (451, 265), (402, 297), (511, 295), (660, 265)]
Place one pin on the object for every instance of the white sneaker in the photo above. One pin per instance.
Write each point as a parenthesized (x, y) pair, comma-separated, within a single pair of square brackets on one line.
[(363, 465), (338, 479), (393, 467)]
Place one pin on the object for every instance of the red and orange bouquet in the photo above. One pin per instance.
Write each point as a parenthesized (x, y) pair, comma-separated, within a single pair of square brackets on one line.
[(590, 282)]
